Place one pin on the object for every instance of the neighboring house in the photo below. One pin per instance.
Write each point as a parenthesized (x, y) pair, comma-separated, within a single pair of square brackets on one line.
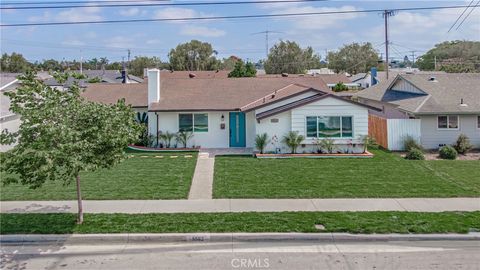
[(104, 76), (447, 104), (230, 112), (8, 120)]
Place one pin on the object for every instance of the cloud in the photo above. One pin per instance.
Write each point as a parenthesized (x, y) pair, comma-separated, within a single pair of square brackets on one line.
[(318, 22), (201, 31), (73, 42), (176, 13), (130, 12), (120, 42), (70, 15)]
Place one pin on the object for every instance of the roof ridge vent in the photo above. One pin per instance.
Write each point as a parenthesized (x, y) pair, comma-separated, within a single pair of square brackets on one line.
[(432, 79)]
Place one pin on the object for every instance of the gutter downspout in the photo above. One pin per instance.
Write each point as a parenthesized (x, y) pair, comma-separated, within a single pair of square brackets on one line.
[(156, 113)]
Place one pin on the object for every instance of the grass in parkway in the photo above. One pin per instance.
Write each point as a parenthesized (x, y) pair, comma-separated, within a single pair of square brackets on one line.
[(385, 175), (142, 176), (352, 222)]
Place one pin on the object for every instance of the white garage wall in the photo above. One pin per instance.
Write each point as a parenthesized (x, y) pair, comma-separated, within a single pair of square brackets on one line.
[(278, 129)]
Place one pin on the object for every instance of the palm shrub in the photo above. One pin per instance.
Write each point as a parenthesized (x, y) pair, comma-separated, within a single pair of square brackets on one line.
[(415, 154), (261, 141), (292, 139), (183, 137), (410, 143), (167, 138), (463, 145), (448, 152), (328, 145), (368, 141)]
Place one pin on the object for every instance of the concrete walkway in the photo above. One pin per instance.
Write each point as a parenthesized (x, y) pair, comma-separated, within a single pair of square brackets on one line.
[(202, 182), (245, 205)]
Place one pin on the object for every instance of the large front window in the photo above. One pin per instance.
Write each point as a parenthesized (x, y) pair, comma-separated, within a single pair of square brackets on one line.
[(447, 122), (196, 122), (329, 126)]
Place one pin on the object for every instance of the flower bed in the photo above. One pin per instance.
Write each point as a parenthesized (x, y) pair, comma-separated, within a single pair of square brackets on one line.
[(362, 155), (150, 149)]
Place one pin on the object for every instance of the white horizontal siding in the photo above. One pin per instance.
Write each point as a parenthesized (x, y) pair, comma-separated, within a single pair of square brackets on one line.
[(332, 107), (404, 86), (432, 137)]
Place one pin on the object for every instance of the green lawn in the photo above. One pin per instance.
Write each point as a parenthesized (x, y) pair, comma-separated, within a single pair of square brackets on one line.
[(385, 175), (142, 176), (352, 222)]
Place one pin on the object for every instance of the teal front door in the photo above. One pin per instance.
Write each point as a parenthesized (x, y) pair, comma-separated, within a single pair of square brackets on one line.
[(237, 129)]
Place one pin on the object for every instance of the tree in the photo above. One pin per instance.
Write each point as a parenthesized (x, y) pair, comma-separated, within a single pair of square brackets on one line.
[(50, 65), (229, 63), (289, 57), (62, 134), (140, 63), (193, 55), (452, 56), (339, 87), (353, 58), (14, 63), (242, 70)]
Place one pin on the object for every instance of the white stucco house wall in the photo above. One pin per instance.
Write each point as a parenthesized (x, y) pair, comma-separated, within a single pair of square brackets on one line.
[(447, 105)]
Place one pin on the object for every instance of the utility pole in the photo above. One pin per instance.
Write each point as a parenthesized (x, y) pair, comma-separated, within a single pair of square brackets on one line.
[(266, 32), (81, 62), (413, 58), (386, 14), (128, 57)]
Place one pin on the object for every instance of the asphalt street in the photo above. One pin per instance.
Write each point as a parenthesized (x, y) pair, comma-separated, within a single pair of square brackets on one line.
[(243, 255)]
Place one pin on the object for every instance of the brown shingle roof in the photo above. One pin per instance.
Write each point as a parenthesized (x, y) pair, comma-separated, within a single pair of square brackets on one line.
[(223, 94), (181, 94), (135, 94)]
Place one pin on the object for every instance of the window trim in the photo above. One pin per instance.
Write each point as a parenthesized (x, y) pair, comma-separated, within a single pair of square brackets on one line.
[(341, 129), (193, 121), (478, 121), (448, 122)]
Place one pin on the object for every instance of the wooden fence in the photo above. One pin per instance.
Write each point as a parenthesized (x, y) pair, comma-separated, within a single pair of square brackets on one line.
[(377, 128)]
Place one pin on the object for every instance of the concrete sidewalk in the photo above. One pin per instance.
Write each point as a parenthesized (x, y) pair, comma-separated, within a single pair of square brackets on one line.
[(245, 205)]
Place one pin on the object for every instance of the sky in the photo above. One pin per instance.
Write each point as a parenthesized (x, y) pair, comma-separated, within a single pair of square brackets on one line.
[(409, 30)]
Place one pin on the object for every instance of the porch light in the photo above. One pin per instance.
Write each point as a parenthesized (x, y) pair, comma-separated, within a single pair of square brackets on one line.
[(223, 118)]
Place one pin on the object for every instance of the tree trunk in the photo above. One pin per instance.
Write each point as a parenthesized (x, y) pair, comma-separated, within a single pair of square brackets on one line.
[(79, 200)]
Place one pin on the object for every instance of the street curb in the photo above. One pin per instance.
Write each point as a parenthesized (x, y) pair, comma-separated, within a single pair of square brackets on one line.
[(228, 237)]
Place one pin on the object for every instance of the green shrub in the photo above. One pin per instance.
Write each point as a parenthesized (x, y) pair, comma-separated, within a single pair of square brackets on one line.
[(448, 152), (410, 143), (463, 145), (182, 137), (292, 139), (327, 145), (415, 154), (261, 141)]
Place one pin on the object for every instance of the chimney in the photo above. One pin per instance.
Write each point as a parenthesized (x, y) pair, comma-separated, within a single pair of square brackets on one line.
[(124, 74), (373, 76), (153, 85)]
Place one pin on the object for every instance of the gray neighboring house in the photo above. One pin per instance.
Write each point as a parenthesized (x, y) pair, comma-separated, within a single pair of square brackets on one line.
[(447, 104), (104, 76), (8, 120)]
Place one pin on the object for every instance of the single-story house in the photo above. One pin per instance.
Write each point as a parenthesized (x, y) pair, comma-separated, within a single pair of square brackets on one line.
[(97, 76), (447, 104), (230, 112)]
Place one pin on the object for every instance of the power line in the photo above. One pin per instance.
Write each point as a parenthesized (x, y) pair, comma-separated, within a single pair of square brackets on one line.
[(79, 2), (460, 16), (464, 18), (229, 17), (160, 4), (266, 32)]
